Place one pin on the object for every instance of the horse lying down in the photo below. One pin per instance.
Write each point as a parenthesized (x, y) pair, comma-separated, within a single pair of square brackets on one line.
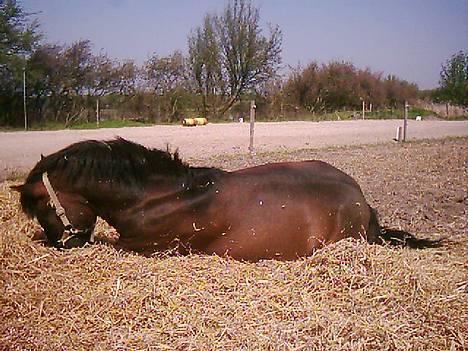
[(156, 202)]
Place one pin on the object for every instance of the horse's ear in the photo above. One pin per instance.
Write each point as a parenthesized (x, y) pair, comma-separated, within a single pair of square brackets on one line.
[(19, 188), (24, 188), (42, 157)]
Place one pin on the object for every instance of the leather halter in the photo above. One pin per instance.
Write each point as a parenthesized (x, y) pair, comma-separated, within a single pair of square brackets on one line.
[(70, 231)]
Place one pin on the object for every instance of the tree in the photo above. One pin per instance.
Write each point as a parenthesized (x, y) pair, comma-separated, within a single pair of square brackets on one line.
[(18, 39), (205, 64), (454, 80), (228, 55), (340, 85), (304, 88), (168, 78), (66, 81), (398, 91)]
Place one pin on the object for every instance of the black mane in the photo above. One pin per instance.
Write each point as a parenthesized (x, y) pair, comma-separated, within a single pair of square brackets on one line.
[(116, 160)]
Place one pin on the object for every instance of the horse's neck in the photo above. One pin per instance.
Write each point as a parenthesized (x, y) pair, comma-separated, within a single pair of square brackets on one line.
[(161, 205)]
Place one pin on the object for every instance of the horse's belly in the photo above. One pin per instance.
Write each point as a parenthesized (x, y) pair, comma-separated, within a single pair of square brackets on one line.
[(289, 223), (277, 236)]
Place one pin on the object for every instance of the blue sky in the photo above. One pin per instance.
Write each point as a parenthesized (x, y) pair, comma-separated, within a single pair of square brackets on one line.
[(408, 38)]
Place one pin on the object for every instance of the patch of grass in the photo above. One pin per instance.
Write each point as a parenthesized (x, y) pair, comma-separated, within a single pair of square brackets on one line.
[(306, 116), (52, 125), (457, 118), (350, 115), (49, 125), (112, 123), (419, 111)]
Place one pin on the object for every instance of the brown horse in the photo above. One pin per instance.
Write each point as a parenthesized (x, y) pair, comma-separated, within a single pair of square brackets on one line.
[(156, 202)]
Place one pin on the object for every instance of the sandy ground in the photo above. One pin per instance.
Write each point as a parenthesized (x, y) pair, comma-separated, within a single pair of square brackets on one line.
[(19, 151)]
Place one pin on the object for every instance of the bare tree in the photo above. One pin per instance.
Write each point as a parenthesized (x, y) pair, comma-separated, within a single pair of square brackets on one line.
[(229, 54)]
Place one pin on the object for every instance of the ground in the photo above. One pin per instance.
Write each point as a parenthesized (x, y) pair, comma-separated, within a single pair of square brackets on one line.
[(19, 151), (348, 296)]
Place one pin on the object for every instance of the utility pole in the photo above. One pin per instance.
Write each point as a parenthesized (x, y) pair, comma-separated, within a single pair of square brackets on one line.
[(24, 98)]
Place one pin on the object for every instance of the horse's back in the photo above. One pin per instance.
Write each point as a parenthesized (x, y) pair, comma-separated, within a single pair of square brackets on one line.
[(305, 171), (287, 210)]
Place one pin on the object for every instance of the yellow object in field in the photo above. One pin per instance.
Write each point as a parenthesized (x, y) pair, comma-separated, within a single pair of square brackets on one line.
[(192, 122)]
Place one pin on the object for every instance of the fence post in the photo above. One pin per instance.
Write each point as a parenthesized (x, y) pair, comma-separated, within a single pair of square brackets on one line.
[(405, 122), (24, 99), (363, 108), (98, 116), (398, 135), (252, 125)]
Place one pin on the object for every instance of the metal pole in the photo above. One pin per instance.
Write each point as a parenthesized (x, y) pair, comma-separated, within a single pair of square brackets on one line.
[(252, 126), (405, 123), (24, 99)]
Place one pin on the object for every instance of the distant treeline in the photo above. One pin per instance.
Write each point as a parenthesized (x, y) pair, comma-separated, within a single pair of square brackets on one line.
[(228, 63), (64, 84)]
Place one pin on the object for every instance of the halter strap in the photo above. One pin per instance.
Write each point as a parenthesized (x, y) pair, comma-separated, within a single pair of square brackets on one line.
[(70, 231), (59, 210)]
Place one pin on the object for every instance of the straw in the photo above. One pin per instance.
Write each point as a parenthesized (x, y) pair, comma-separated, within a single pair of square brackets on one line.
[(347, 296)]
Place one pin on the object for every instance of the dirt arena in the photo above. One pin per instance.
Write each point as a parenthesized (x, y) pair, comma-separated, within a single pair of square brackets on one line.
[(19, 151), (348, 296)]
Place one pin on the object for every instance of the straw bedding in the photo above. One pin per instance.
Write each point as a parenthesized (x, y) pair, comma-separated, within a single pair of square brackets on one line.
[(347, 296)]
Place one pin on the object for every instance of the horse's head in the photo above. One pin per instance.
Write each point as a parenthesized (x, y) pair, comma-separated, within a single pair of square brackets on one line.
[(36, 202)]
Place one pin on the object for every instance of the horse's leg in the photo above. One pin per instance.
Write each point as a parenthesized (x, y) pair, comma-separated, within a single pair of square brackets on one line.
[(352, 221)]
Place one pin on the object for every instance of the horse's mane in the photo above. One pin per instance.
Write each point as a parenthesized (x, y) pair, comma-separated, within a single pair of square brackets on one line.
[(117, 160)]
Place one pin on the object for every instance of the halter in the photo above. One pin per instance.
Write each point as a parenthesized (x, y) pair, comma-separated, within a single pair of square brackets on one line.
[(70, 231)]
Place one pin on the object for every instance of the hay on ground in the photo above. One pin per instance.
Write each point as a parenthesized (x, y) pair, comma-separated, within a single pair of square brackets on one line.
[(347, 296)]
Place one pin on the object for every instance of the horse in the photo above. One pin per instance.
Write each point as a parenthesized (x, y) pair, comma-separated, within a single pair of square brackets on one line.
[(157, 202)]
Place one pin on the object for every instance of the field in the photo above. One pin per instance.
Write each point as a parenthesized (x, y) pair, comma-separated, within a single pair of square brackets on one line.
[(348, 296)]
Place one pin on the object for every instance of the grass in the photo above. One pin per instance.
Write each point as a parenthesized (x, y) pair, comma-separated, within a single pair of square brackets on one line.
[(457, 118), (350, 115), (114, 123), (330, 116)]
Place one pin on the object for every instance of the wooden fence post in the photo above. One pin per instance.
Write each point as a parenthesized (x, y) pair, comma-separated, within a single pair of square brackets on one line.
[(98, 113), (363, 108), (252, 125), (405, 122)]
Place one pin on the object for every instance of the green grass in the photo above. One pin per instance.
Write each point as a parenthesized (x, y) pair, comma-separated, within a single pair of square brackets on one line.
[(301, 116), (457, 118), (115, 123), (350, 115)]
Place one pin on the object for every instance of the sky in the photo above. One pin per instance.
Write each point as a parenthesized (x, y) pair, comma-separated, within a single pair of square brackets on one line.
[(408, 38)]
